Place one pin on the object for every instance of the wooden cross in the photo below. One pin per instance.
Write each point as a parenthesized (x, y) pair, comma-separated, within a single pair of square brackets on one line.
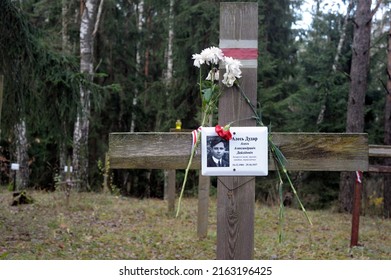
[(304, 152), (236, 195)]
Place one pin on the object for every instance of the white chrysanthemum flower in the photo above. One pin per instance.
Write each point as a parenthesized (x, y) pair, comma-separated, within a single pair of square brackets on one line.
[(233, 72), (208, 56), (212, 55), (233, 66), (198, 60), (228, 79)]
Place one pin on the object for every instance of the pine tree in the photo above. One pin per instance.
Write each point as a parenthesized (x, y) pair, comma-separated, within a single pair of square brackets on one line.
[(358, 87)]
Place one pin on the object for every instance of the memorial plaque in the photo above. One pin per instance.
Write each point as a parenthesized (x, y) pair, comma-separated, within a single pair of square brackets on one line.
[(246, 154)]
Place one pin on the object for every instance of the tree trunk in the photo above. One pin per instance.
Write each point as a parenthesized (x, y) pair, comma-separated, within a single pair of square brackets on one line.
[(22, 175), (343, 35), (66, 49), (1, 97), (387, 179), (140, 19), (170, 61), (169, 72), (358, 87), (64, 27), (336, 61), (88, 12), (387, 133)]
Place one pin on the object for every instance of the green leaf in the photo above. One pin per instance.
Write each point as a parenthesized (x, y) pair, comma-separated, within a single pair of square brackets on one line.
[(207, 94)]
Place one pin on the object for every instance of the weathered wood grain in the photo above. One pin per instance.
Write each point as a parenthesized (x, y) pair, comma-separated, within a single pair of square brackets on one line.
[(379, 168), (236, 195), (303, 151), (383, 151), (146, 150), (323, 151)]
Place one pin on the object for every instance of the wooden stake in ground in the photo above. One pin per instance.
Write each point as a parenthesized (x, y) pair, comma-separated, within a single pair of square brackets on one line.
[(236, 195), (356, 210)]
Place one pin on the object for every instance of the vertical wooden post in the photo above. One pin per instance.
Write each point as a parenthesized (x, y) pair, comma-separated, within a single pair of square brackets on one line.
[(236, 195), (170, 182), (203, 201), (203, 205), (356, 210), (171, 179)]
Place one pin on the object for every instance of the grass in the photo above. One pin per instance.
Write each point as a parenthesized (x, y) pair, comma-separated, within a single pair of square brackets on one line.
[(103, 226)]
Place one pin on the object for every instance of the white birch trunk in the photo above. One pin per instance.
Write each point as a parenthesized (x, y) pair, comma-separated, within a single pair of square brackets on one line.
[(169, 72), (336, 61), (22, 175), (343, 36), (170, 62), (88, 12)]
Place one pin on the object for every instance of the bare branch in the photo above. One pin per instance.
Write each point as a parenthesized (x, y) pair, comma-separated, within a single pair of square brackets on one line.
[(376, 8), (98, 18)]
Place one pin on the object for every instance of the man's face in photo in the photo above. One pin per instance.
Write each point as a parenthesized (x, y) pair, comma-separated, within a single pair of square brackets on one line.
[(218, 150)]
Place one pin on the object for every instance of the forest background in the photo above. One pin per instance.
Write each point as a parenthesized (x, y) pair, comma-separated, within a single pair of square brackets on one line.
[(74, 71)]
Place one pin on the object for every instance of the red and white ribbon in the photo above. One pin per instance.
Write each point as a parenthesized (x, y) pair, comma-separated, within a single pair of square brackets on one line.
[(195, 134), (359, 177)]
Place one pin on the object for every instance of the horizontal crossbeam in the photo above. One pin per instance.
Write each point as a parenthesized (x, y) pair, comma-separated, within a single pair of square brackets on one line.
[(383, 151), (303, 151)]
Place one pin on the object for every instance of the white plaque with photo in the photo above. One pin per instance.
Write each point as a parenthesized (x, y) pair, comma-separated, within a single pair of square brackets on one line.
[(246, 154)]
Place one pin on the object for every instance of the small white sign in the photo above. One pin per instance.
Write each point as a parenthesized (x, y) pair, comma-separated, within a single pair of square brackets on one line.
[(14, 166), (66, 169), (246, 154)]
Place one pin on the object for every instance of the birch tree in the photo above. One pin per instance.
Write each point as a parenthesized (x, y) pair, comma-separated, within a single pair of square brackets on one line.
[(21, 154), (16, 62), (169, 71), (336, 59), (88, 12)]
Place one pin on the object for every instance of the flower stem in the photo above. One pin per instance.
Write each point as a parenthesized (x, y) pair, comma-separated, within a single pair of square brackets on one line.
[(277, 154), (186, 174), (281, 212), (297, 196), (193, 150)]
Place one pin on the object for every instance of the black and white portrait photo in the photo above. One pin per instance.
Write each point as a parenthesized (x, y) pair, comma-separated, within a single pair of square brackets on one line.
[(218, 152)]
